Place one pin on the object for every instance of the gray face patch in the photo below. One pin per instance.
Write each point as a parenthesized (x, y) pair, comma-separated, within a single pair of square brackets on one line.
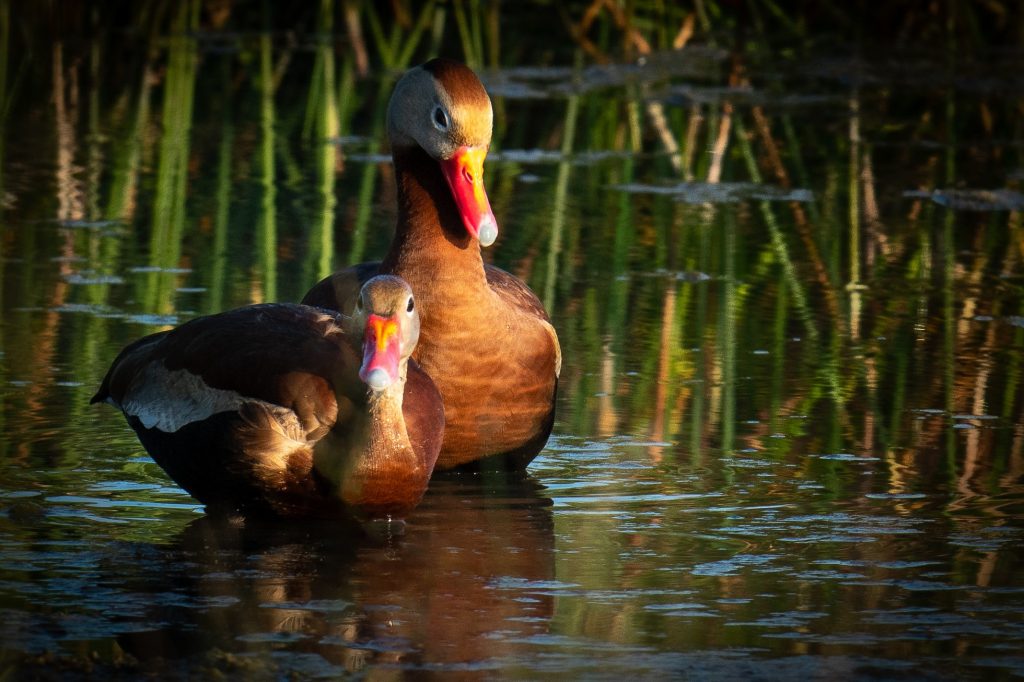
[(413, 118), (168, 400)]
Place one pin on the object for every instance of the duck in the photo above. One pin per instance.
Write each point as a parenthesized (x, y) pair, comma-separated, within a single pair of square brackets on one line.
[(286, 410), (486, 341)]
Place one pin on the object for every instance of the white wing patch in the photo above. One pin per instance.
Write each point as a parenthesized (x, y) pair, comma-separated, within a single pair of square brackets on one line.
[(168, 400)]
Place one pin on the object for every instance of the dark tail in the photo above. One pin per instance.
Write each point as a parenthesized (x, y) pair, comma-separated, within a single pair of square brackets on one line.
[(124, 365)]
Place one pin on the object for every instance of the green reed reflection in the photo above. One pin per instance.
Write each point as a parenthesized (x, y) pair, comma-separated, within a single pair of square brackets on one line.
[(169, 203), (218, 257), (323, 101), (786, 299), (268, 173), (761, 298), (558, 204)]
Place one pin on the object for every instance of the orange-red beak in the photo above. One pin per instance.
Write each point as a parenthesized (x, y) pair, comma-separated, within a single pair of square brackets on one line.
[(381, 352), (465, 175)]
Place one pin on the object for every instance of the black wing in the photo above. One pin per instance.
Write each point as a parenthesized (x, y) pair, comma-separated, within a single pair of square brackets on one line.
[(339, 291)]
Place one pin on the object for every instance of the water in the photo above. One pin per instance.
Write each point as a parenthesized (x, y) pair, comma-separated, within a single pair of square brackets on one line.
[(774, 456)]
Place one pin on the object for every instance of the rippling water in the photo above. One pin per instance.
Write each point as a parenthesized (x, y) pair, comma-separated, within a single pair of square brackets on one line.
[(783, 448), (602, 562)]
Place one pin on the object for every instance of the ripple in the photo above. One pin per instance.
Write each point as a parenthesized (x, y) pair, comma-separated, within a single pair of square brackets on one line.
[(86, 308), (156, 268), (973, 199), (107, 503), (826, 575), (901, 565), (279, 637), (90, 224), (677, 606), (733, 565), (528, 156), (828, 537), (1011, 663), (747, 463), (844, 639), (718, 192), (375, 158), (513, 583), (787, 619), (86, 278), (624, 499), (896, 496), (846, 457), (152, 319)]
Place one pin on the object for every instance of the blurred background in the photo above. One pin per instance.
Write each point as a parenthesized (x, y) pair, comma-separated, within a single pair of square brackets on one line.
[(782, 246)]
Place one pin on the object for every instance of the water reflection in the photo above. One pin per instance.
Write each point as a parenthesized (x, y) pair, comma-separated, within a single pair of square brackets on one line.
[(762, 554), (442, 592), (790, 435)]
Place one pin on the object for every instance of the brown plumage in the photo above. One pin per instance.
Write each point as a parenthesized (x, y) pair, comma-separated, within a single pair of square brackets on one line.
[(486, 340), (287, 409)]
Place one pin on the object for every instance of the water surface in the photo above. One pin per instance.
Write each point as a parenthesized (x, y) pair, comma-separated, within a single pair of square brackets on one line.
[(790, 438)]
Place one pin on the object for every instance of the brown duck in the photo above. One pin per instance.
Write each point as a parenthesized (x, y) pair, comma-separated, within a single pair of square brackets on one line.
[(289, 410), (486, 340)]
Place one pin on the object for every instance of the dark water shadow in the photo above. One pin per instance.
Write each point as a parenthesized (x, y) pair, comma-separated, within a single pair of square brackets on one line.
[(231, 597)]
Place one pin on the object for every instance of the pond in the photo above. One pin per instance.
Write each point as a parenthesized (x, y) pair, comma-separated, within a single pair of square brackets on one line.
[(785, 263)]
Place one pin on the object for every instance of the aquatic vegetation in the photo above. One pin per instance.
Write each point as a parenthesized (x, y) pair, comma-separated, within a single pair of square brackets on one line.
[(783, 250)]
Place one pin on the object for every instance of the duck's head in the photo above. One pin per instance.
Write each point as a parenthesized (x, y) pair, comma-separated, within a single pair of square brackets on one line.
[(442, 107), (386, 318)]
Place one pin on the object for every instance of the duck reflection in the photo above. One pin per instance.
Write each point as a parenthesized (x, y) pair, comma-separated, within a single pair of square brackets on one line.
[(445, 589)]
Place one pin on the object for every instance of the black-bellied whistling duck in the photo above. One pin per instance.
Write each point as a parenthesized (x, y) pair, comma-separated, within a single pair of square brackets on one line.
[(486, 340), (286, 409)]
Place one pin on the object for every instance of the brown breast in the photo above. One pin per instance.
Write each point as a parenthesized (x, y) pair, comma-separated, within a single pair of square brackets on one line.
[(490, 349)]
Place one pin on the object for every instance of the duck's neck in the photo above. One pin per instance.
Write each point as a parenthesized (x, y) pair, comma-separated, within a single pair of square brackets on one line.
[(386, 434), (430, 241), (372, 465)]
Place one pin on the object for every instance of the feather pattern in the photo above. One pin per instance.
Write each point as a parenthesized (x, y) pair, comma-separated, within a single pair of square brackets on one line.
[(486, 340), (261, 409)]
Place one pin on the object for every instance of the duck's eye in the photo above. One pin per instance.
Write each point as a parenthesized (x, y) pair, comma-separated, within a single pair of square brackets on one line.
[(409, 306), (440, 119)]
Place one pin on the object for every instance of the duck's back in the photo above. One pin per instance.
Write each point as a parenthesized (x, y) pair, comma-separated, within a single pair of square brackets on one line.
[(490, 349), (231, 405), (338, 291)]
